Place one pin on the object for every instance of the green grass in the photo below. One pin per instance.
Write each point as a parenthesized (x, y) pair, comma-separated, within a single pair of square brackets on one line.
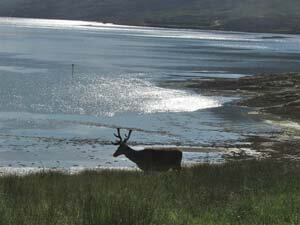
[(249, 192)]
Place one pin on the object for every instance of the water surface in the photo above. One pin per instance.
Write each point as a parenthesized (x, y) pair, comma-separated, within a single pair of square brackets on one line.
[(45, 110)]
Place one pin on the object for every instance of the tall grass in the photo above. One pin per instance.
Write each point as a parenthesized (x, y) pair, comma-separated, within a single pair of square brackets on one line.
[(248, 192)]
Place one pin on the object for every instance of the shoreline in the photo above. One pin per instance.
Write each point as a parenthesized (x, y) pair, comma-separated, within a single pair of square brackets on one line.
[(259, 94), (275, 98), (167, 26)]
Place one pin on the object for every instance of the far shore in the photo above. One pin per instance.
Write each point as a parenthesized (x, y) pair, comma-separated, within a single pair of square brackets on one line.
[(277, 32)]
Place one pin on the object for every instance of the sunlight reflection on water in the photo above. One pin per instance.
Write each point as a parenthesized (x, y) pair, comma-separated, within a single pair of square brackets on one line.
[(108, 96)]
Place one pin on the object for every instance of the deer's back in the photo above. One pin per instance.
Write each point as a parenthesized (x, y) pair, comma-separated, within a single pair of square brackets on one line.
[(160, 159)]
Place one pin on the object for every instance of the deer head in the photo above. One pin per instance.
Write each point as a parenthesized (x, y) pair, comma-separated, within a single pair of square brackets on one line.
[(123, 147)]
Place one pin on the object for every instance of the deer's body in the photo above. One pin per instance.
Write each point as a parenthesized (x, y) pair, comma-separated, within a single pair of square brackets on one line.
[(150, 159)]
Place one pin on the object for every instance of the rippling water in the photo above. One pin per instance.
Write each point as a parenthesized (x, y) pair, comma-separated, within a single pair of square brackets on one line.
[(117, 72)]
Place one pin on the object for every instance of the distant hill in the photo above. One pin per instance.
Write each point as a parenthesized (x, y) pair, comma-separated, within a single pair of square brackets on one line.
[(278, 16)]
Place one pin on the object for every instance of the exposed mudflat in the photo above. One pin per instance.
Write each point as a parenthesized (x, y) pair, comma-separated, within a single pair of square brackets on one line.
[(273, 97)]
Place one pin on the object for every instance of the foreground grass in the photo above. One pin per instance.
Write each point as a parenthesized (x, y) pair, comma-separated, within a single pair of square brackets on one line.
[(251, 192)]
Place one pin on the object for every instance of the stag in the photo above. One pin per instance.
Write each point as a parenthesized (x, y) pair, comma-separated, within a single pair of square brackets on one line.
[(148, 159)]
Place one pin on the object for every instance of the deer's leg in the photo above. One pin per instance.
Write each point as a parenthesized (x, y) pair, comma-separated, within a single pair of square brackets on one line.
[(177, 167)]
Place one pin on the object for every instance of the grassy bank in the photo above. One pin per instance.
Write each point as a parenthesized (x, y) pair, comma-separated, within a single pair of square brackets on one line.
[(250, 192)]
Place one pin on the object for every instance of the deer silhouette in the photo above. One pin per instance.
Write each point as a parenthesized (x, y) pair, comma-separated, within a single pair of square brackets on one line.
[(148, 159)]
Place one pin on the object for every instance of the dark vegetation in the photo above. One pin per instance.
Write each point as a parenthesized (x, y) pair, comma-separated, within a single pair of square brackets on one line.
[(245, 192), (239, 15)]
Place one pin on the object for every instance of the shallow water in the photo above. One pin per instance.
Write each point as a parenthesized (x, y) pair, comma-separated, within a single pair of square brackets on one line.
[(118, 69)]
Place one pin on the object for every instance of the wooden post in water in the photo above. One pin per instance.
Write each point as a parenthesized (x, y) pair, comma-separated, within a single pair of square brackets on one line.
[(73, 71)]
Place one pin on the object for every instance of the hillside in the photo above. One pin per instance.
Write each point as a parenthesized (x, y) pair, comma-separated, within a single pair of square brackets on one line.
[(239, 15)]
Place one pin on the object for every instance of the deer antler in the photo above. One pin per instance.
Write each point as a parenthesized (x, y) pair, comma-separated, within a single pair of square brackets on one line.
[(127, 136), (117, 142), (118, 136)]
